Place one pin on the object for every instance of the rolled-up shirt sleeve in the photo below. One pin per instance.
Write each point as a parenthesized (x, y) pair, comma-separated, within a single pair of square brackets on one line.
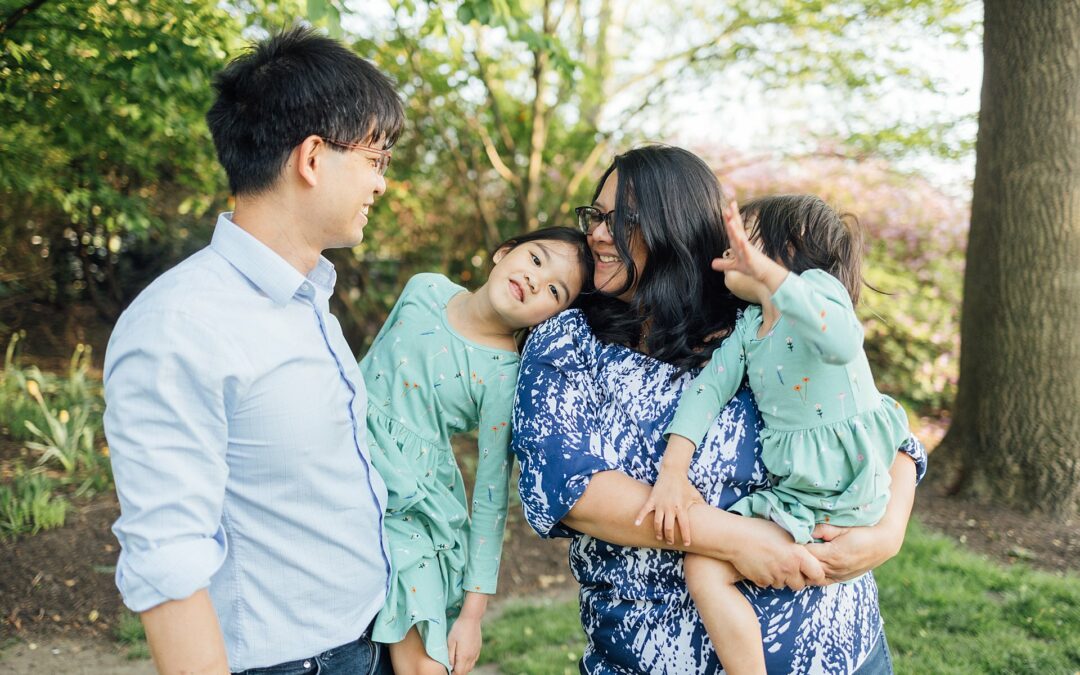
[(554, 413), (167, 389)]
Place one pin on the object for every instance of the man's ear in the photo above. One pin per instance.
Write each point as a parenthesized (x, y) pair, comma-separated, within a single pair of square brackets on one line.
[(308, 156), (501, 253)]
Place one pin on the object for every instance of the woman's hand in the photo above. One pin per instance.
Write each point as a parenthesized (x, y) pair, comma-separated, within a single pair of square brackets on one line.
[(767, 556), (670, 502), (464, 640), (849, 552)]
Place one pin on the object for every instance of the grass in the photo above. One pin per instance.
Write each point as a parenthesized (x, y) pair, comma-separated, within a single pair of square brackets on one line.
[(130, 632), (946, 610), (950, 611)]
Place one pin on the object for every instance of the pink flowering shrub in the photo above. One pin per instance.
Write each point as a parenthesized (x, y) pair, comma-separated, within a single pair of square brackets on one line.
[(915, 236)]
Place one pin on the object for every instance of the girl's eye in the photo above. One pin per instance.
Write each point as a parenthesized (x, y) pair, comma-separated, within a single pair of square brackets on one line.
[(554, 291), (536, 261)]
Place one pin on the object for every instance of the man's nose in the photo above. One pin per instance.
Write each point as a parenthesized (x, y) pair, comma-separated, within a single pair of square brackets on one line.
[(380, 185)]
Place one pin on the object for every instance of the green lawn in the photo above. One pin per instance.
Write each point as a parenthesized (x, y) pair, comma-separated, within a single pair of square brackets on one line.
[(946, 611)]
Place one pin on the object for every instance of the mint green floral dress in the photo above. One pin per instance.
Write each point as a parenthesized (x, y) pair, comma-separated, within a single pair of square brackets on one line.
[(830, 437), (426, 382)]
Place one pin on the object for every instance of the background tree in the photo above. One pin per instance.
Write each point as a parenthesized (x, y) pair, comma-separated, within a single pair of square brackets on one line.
[(1015, 437)]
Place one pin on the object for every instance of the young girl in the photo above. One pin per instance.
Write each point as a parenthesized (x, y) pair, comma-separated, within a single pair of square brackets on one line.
[(829, 436), (446, 361)]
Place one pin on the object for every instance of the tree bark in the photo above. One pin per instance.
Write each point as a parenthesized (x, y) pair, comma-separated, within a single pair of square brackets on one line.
[(1015, 438)]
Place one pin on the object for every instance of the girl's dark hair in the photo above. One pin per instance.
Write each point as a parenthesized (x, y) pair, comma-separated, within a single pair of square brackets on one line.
[(568, 235), (293, 85), (804, 233), (671, 201)]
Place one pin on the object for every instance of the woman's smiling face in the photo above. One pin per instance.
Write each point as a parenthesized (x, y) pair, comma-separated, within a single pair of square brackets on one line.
[(610, 274)]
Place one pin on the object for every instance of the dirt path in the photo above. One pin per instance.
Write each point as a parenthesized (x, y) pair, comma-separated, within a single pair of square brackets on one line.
[(71, 656)]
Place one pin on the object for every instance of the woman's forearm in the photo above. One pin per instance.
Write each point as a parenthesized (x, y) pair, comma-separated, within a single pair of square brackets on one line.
[(611, 502), (901, 500), (761, 551)]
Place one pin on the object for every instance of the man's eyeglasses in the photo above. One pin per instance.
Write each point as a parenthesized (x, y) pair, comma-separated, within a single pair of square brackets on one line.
[(589, 218), (384, 155)]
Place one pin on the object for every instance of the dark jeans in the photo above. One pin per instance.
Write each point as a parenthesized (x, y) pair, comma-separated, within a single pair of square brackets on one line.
[(880, 660), (360, 657)]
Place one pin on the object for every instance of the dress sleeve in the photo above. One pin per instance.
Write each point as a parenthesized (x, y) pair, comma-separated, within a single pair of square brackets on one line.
[(819, 310), (492, 487), (712, 389), (913, 448), (166, 399), (554, 411)]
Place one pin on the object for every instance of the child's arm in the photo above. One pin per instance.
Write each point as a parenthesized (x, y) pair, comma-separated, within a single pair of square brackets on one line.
[(673, 494), (815, 303), (488, 515), (819, 310), (465, 638)]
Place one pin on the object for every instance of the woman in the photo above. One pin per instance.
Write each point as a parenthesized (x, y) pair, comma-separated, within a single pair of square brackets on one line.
[(598, 386)]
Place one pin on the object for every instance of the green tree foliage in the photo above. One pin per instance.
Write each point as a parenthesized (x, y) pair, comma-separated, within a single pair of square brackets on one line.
[(105, 156), (107, 173)]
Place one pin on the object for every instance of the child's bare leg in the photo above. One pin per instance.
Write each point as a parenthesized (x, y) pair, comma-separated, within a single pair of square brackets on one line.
[(410, 658), (729, 619)]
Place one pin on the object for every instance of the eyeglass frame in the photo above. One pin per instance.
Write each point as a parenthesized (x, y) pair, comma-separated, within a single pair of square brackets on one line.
[(384, 155), (605, 217)]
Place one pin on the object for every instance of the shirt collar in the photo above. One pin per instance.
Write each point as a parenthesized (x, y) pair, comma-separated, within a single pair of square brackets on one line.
[(264, 268)]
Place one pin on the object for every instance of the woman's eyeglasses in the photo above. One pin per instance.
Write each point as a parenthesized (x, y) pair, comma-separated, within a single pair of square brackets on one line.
[(384, 155), (589, 218)]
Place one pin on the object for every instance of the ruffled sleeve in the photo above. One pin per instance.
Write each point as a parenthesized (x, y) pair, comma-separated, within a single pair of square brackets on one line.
[(555, 411)]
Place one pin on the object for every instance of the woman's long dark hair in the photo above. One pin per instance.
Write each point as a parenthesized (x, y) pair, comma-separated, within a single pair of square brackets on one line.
[(669, 199)]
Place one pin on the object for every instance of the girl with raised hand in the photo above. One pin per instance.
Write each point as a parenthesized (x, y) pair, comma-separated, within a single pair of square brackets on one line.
[(830, 437)]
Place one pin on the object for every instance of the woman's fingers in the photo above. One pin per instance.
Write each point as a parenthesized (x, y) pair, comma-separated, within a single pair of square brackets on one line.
[(669, 527)]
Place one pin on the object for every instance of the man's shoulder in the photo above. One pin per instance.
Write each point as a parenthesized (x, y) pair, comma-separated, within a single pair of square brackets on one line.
[(186, 287)]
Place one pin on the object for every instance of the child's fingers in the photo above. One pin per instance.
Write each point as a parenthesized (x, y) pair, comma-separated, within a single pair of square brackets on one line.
[(452, 648), (649, 506), (684, 527), (669, 527)]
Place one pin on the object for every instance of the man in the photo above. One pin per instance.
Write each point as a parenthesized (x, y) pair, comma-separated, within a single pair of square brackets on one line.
[(251, 519)]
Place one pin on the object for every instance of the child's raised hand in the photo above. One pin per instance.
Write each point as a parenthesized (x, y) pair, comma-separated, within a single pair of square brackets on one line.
[(743, 256), (670, 503)]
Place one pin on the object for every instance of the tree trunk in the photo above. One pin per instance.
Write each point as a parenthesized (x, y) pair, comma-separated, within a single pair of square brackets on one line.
[(1016, 432)]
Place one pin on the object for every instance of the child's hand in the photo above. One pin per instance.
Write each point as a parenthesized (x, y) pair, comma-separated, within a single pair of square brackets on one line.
[(670, 502), (743, 256), (464, 644)]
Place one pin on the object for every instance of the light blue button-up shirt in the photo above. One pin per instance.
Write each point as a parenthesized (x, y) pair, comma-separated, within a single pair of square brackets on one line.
[(235, 419)]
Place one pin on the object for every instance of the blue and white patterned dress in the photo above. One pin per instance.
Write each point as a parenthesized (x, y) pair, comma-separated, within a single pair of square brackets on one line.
[(584, 406)]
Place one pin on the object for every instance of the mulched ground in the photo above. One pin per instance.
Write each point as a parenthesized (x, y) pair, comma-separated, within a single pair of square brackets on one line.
[(61, 581)]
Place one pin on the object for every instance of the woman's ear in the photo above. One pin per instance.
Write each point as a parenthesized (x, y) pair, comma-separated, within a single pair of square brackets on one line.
[(501, 253)]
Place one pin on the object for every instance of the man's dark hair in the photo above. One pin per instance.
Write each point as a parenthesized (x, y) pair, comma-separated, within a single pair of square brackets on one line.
[(288, 87)]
